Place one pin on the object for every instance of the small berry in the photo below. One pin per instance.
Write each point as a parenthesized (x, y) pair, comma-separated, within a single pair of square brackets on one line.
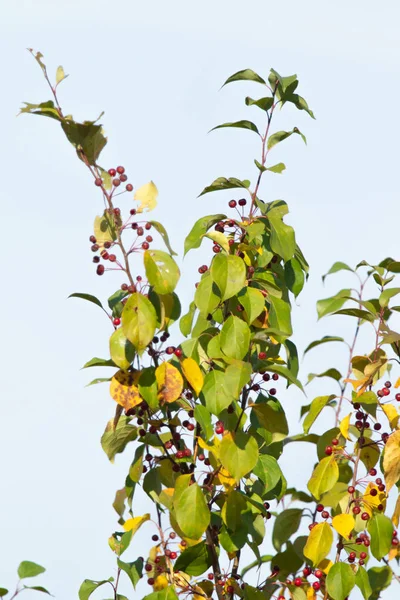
[(112, 172), (100, 269), (112, 258), (96, 259), (123, 178), (201, 457), (372, 472), (129, 187), (262, 355), (316, 585), (190, 427), (320, 507), (363, 555), (395, 541), (242, 202), (272, 392), (98, 181), (378, 426), (173, 555), (151, 581), (154, 538), (365, 516), (397, 396), (148, 567), (385, 391), (266, 377), (352, 555), (275, 376), (219, 428), (117, 321), (318, 573), (388, 384), (132, 211), (298, 581), (170, 350), (335, 442), (92, 239), (328, 450), (145, 246), (351, 489), (356, 510), (140, 231), (94, 248), (325, 514), (178, 352), (232, 203), (149, 238), (210, 576), (230, 589), (116, 182), (216, 249), (120, 170)]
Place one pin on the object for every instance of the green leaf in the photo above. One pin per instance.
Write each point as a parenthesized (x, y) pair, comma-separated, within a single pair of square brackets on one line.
[(238, 453), (223, 183), (87, 297), (166, 594), (3, 592), (162, 231), (235, 338), (161, 271), (282, 238), (199, 229), (279, 136), (237, 375), (86, 137), (380, 578), (99, 362), (271, 416), (362, 582), (332, 304), (44, 109), (37, 588), (60, 75), (324, 476), (139, 321), (195, 560), (279, 317), (186, 321), (203, 418), (286, 524), (294, 276), (121, 350), (356, 312), (253, 303), (337, 266), (340, 581), (114, 441), (104, 228), (229, 274), (89, 586), (380, 528), (133, 570), (263, 103), (386, 295), (232, 511), (240, 125), (29, 569), (245, 75), (324, 340), (207, 296), (214, 392), (299, 103), (316, 407), (148, 388), (98, 380), (191, 512), (115, 302), (268, 470)]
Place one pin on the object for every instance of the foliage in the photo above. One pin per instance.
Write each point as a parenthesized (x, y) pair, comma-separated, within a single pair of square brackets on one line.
[(204, 418)]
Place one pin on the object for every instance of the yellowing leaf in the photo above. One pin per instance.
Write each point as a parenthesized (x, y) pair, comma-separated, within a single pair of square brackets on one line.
[(344, 426), (359, 384), (393, 552), (169, 382), (134, 524), (193, 374), (391, 414), (397, 384), (225, 478), (311, 594), (319, 543), (391, 460), (344, 525), (219, 238), (371, 502), (147, 196), (160, 583), (324, 476), (396, 513), (325, 565), (124, 391)]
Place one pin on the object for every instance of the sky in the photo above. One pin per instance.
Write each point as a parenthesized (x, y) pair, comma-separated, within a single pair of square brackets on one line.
[(156, 69)]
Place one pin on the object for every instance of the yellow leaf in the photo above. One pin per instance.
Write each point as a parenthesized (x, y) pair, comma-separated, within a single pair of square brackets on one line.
[(371, 502), (60, 75), (396, 514), (147, 196), (134, 524), (262, 320), (169, 381), (219, 238), (344, 525), (226, 479), (391, 460), (124, 391), (325, 565), (319, 543), (193, 374), (344, 426), (397, 384), (359, 384), (392, 414), (104, 228), (393, 552), (311, 594), (160, 583)]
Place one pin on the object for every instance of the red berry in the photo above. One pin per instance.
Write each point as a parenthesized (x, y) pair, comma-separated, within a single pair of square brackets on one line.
[(148, 567), (397, 396), (232, 203), (266, 377), (320, 507), (395, 541), (92, 239), (173, 555), (380, 393), (96, 259), (151, 581), (98, 181), (216, 249), (123, 178), (307, 571), (385, 391), (262, 355), (335, 442), (180, 454), (117, 321), (242, 202), (372, 472), (170, 350), (325, 514), (365, 516), (352, 555), (378, 426), (145, 246), (190, 427), (178, 352), (149, 238), (363, 555), (154, 538), (316, 585), (112, 258), (210, 576), (318, 573), (133, 211), (275, 376), (120, 170), (351, 489), (140, 231), (112, 172), (230, 589), (219, 429), (116, 182), (356, 510), (298, 581), (272, 392), (201, 457), (388, 384), (328, 450), (100, 269), (129, 187)]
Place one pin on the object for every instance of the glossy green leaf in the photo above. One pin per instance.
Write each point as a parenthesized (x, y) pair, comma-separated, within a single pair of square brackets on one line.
[(86, 137), (253, 303), (161, 271), (286, 524), (279, 317), (195, 560), (44, 109), (380, 528), (245, 75), (337, 266), (332, 304), (282, 240), (268, 470), (324, 340), (203, 418), (324, 476), (223, 183), (316, 407), (340, 581), (99, 362), (380, 578), (87, 297), (237, 375), (199, 229), (332, 373), (279, 136), (294, 276), (114, 440), (238, 453), (29, 569), (89, 586), (132, 569), (240, 125), (122, 351), (207, 296), (162, 231), (263, 103), (231, 512), (356, 312), (229, 274), (363, 584), (235, 338), (139, 321), (386, 295), (215, 394), (148, 388), (191, 512), (271, 416), (186, 321), (166, 594)]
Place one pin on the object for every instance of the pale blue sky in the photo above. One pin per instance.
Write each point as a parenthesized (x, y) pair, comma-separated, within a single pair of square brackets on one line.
[(156, 67)]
